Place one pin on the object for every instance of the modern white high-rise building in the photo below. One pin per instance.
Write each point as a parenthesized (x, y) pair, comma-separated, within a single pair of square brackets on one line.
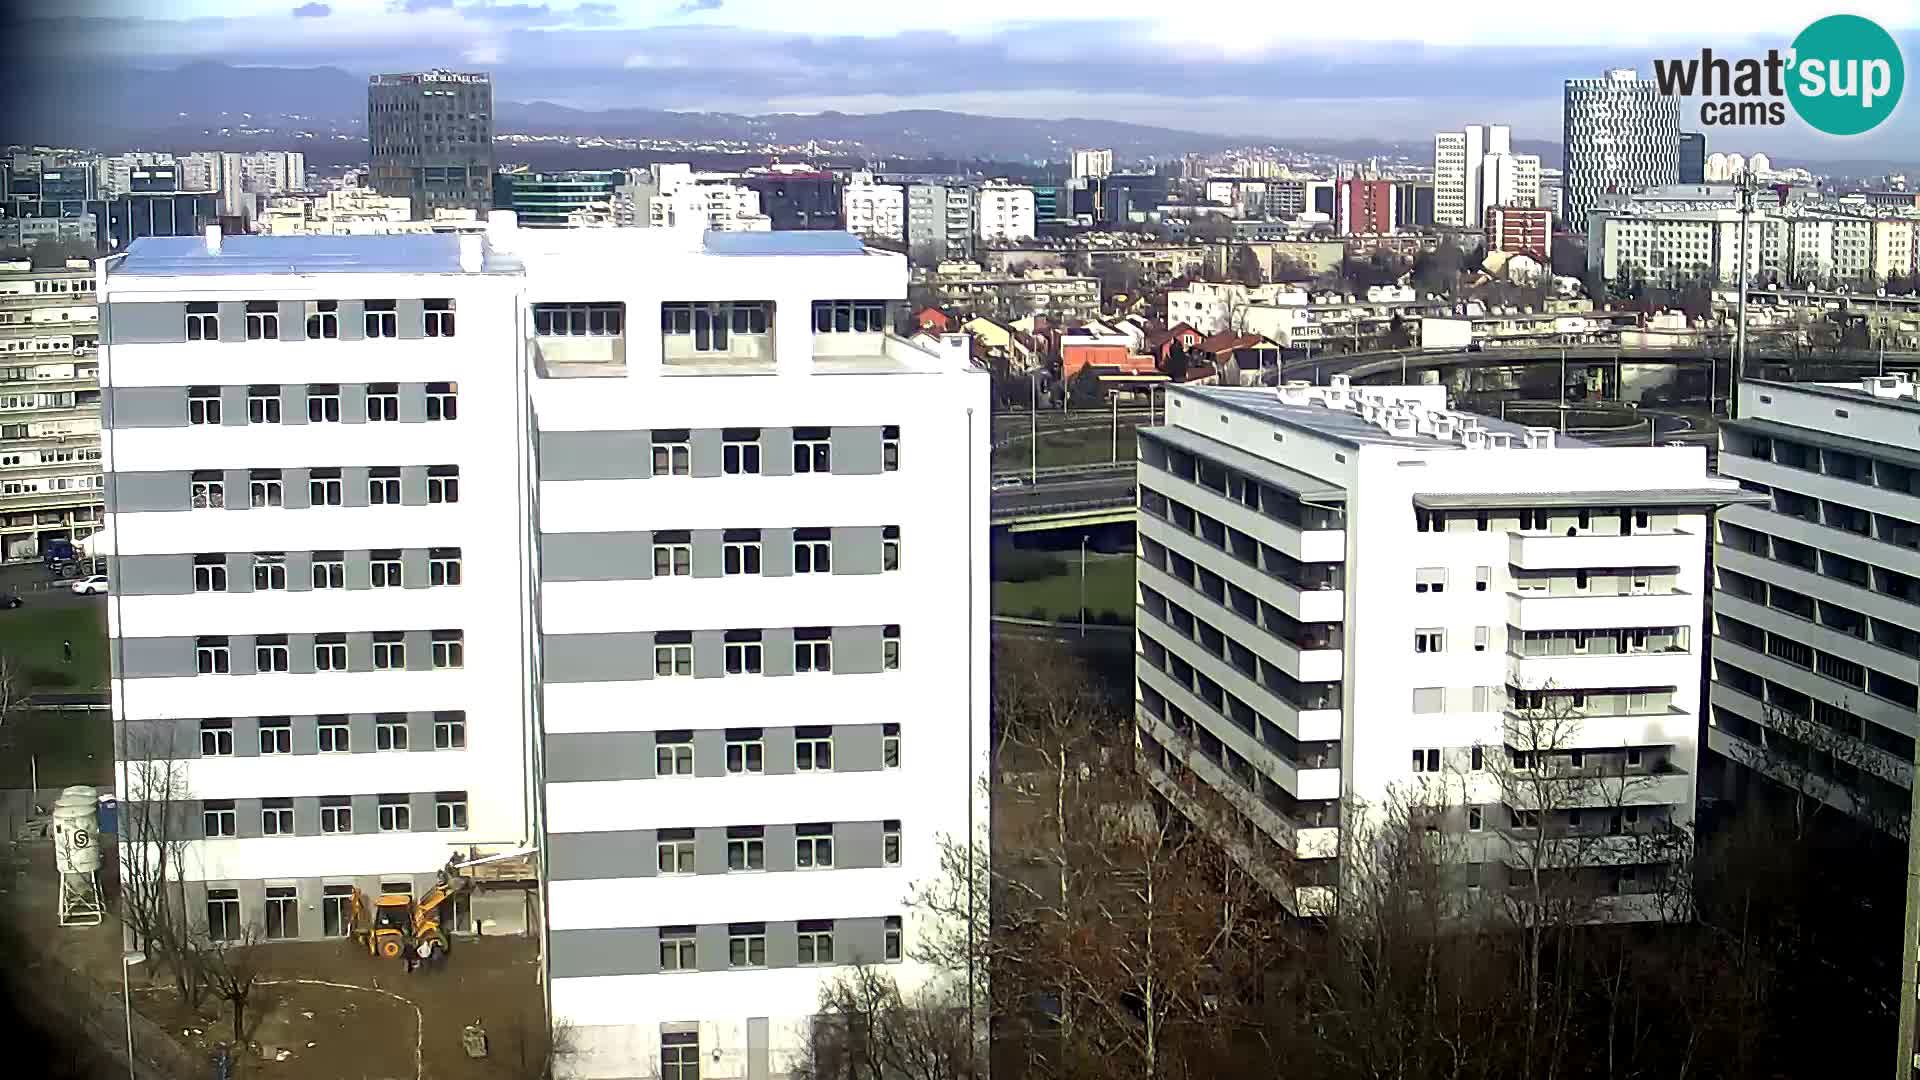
[(1004, 212), (1092, 164), (874, 209), (1817, 607), (1475, 168), (1621, 135), (625, 543), (1346, 591)]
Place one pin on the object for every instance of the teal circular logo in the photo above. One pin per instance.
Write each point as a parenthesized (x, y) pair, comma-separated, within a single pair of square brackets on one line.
[(1846, 75)]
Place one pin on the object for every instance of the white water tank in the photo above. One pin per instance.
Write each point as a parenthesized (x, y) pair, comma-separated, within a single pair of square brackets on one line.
[(76, 833)]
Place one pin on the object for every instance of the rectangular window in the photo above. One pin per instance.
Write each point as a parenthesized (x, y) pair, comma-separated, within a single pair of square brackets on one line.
[(890, 648), (329, 570), (813, 551), (389, 651), (450, 731), (740, 452), (265, 489), (890, 448), (677, 954), (1482, 578), (276, 817), (336, 814), (336, 911), (1479, 759), (383, 486), (382, 319), (1474, 819), (672, 655), (816, 941), (673, 754), (203, 405), (813, 847), (891, 940), (450, 811), (324, 487), (263, 404), (1430, 579), (209, 491), (385, 568), (276, 735), (223, 911), (1430, 699), (216, 738), (740, 553), (449, 650), (443, 566), (812, 450), (439, 318), (1426, 761), (849, 316), (890, 843), (579, 320), (323, 403), (263, 321), (673, 851), (390, 732), (330, 652), (1429, 641), (1480, 634), (323, 319), (383, 403), (217, 817), (673, 557), (742, 652), (890, 746), (443, 401), (746, 849), (211, 656), (812, 650), (747, 945), (890, 547), (443, 483), (209, 573), (672, 453), (270, 572), (203, 321), (746, 753), (813, 749), (396, 815), (335, 737)]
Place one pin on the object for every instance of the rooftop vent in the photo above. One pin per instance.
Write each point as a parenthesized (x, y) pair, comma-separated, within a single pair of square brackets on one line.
[(1473, 439), (1340, 382), (1499, 440), (1887, 386), (472, 256), (213, 239), (1539, 438)]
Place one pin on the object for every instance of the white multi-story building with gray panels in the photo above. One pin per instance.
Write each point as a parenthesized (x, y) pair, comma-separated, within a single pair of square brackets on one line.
[(50, 479), (1348, 590), (1620, 135), (637, 565), (1817, 608)]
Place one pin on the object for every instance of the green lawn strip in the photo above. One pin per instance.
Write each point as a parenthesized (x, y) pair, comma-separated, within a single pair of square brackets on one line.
[(1085, 446), (1109, 588), (67, 747), (31, 637)]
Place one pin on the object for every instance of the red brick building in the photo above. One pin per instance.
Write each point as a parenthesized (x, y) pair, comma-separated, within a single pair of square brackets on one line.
[(1521, 230), (1366, 207)]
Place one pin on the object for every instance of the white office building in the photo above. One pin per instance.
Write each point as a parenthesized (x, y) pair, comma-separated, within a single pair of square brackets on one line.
[(1816, 604), (1508, 572), (1621, 135), (635, 561), (874, 209), (1475, 168), (1092, 164), (1004, 212)]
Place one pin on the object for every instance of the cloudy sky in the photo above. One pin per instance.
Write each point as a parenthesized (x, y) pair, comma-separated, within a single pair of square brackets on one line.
[(1394, 69)]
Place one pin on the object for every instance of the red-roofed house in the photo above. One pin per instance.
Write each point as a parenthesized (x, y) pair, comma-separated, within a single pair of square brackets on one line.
[(933, 320)]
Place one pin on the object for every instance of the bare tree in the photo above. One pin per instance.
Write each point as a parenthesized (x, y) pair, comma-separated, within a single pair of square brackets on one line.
[(155, 809), (1819, 766), (232, 968), (13, 688), (867, 1029), (531, 1047)]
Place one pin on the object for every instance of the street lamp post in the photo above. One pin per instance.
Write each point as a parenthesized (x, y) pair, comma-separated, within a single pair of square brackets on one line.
[(1745, 187), (1116, 427), (127, 961), (1083, 585), (1563, 384), (1033, 438)]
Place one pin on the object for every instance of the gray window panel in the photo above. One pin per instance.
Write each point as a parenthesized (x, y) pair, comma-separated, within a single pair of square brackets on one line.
[(783, 950), (143, 739), (596, 455), (857, 845), (709, 654), (124, 323), (128, 407), (358, 571), (596, 855), (300, 656), (776, 552), (759, 1048), (293, 320), (306, 808), (777, 750), (293, 396), (710, 850), (233, 402), (241, 658), (776, 451), (239, 571), (236, 493), (708, 553), (353, 320), (411, 317), (141, 492), (300, 566), (856, 747), (780, 847), (423, 816), (420, 658), (152, 575), (856, 450), (246, 735), (366, 809), (856, 549), (360, 740), (246, 825), (153, 658), (294, 492), (419, 724), (860, 941), (776, 651), (626, 950), (616, 556), (709, 749), (597, 657), (711, 939), (306, 733), (353, 478), (705, 450), (599, 755), (413, 566), (233, 320), (413, 485), (413, 403), (857, 650), (353, 401), (360, 651)]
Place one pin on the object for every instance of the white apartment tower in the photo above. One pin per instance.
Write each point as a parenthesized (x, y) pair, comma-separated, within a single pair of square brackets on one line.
[(1092, 164), (1475, 168), (874, 209), (1818, 598), (50, 479), (1508, 573), (1621, 136), (1004, 212), (634, 565)]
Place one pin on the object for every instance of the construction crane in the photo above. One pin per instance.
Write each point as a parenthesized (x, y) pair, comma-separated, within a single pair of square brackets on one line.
[(396, 923)]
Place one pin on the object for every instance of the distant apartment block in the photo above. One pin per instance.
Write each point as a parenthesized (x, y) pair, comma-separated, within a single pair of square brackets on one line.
[(798, 199), (1521, 230), (1476, 168), (431, 139), (1092, 164), (50, 459), (874, 209), (1004, 213)]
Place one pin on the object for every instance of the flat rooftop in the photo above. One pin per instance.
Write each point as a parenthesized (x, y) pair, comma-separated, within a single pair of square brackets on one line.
[(1352, 428), (1841, 392), (416, 253)]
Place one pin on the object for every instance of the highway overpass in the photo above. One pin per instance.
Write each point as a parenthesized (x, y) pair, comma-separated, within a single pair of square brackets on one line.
[(1066, 497)]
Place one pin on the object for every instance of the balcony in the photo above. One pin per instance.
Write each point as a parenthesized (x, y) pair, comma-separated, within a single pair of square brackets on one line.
[(1540, 611), (1601, 790), (1598, 731), (1600, 671), (1593, 551)]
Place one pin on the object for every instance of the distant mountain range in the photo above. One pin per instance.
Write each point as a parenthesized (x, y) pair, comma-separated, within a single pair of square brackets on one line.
[(127, 109)]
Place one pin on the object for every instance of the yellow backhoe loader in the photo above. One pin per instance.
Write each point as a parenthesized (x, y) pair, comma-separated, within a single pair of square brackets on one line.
[(394, 924)]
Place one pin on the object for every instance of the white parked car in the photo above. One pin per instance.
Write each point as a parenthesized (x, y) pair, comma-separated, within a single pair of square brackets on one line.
[(1006, 482), (88, 586)]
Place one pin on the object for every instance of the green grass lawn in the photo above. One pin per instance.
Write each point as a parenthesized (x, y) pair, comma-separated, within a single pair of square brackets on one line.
[(67, 747), (1086, 446), (30, 637), (1109, 588)]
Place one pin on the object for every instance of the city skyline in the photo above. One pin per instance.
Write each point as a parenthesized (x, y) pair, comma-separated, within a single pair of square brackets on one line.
[(1402, 77)]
